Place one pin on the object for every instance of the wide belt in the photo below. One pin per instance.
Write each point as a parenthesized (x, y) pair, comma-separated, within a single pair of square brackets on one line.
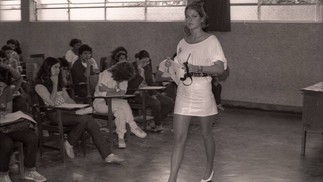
[(198, 74)]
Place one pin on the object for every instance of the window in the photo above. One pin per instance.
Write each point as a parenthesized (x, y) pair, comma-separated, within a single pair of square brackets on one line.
[(277, 10), (109, 10), (10, 10)]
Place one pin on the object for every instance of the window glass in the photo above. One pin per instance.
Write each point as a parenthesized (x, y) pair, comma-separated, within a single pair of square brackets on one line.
[(292, 12), (165, 13), (244, 13), (10, 10), (87, 14), (52, 14), (133, 13)]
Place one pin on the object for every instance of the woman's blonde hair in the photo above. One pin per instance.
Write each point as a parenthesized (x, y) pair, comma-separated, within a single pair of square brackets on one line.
[(198, 7)]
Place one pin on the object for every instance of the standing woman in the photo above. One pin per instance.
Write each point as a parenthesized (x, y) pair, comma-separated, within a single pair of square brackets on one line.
[(204, 57)]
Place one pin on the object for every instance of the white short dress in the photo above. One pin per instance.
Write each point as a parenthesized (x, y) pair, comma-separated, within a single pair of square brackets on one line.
[(197, 99)]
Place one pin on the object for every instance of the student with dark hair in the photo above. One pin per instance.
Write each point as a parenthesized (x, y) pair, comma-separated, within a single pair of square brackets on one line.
[(82, 68), (161, 105), (50, 88), (66, 73), (24, 133), (12, 57), (72, 54), (114, 80), (117, 55), (15, 45), (202, 56)]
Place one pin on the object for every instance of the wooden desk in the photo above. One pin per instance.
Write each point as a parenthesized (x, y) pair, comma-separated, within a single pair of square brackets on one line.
[(108, 100), (312, 115)]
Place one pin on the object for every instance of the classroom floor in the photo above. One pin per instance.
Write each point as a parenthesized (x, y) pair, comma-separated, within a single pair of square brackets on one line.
[(252, 146)]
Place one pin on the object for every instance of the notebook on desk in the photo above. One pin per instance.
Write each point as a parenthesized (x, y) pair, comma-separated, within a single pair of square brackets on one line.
[(15, 117)]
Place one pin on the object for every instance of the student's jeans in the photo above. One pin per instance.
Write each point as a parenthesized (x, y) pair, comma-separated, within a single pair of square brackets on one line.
[(80, 124), (160, 107), (30, 142)]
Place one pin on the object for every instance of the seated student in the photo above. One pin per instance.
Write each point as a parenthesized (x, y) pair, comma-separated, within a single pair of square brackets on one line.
[(115, 81), (15, 45), (49, 86), (20, 101), (162, 75), (13, 58), (82, 68), (117, 55), (72, 54), (161, 105), (24, 134)]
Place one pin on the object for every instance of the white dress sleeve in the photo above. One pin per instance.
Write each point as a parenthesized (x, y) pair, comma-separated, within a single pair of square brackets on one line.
[(216, 51)]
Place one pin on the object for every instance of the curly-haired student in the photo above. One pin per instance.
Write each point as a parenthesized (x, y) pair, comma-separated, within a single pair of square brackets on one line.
[(114, 80)]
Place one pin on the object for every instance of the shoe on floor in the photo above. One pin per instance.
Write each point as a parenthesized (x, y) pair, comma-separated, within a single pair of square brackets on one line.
[(69, 149), (138, 132), (121, 143), (159, 129), (220, 107), (112, 158), (34, 176), (5, 178)]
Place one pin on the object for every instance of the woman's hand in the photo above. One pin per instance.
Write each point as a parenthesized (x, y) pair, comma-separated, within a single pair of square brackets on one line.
[(54, 79), (168, 62)]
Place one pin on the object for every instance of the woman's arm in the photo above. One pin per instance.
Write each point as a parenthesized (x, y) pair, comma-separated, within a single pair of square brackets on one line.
[(67, 97), (42, 91), (17, 85), (216, 69), (104, 88)]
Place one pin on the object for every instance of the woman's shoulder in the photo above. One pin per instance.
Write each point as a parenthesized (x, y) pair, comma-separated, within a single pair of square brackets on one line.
[(205, 38), (106, 74)]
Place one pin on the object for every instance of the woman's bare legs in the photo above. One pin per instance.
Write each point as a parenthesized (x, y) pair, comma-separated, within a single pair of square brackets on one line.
[(206, 127), (181, 124)]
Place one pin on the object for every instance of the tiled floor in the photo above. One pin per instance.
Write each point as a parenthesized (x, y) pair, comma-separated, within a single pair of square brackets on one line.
[(252, 146)]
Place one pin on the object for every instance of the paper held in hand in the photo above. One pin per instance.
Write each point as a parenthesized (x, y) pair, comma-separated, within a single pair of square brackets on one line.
[(175, 71), (15, 116)]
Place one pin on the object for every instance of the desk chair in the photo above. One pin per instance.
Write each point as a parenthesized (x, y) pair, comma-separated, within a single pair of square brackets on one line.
[(57, 132)]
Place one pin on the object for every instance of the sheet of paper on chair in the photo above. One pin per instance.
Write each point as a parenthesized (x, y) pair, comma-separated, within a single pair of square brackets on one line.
[(72, 106), (15, 116)]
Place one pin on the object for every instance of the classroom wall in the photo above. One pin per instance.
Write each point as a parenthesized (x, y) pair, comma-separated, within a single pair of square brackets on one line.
[(269, 62)]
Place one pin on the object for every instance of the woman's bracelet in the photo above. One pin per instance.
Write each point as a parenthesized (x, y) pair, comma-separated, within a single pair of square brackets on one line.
[(199, 69)]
